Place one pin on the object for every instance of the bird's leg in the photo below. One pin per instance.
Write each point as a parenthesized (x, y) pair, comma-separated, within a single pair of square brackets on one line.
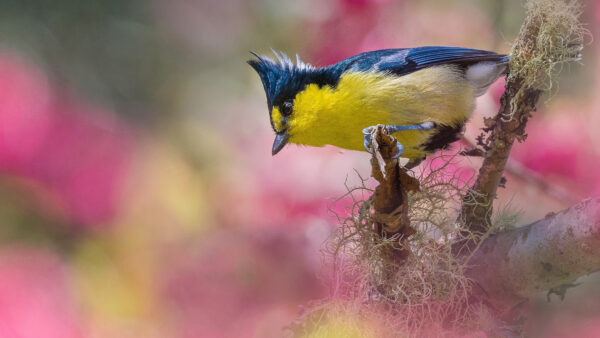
[(368, 132)]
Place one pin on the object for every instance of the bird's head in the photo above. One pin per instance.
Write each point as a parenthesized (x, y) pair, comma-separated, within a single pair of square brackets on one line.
[(282, 81)]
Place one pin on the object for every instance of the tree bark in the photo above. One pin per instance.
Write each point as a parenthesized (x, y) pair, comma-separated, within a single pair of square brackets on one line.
[(513, 265), (390, 199), (516, 105)]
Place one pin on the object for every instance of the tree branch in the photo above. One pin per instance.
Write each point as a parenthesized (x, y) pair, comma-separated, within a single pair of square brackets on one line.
[(390, 199), (513, 265), (551, 34), (508, 125), (521, 172)]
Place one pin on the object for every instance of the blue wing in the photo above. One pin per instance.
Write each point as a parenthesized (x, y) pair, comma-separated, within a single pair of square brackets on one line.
[(408, 60)]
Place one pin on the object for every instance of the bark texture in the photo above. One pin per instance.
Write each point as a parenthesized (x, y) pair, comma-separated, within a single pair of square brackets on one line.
[(513, 265), (516, 105), (390, 200)]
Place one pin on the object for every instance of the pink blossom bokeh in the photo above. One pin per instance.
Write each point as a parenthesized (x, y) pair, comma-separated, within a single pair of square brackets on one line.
[(72, 151), (36, 298)]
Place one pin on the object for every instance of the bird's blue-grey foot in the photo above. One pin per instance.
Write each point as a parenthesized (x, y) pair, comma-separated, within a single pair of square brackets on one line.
[(369, 131)]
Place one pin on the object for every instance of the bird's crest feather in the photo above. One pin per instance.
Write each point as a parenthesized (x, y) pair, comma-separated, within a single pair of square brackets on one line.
[(276, 75)]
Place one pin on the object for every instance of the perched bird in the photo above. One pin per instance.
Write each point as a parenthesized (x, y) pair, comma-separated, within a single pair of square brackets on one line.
[(423, 95)]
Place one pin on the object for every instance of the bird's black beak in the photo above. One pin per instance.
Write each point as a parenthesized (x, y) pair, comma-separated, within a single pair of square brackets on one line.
[(281, 139)]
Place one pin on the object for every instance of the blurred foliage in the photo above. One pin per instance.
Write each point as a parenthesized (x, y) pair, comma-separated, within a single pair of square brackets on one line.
[(21, 225), (108, 50)]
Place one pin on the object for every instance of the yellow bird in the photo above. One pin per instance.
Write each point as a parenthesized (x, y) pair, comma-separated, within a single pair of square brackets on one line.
[(423, 95)]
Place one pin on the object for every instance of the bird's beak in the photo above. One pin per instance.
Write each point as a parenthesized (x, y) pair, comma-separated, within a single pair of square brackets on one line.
[(281, 139)]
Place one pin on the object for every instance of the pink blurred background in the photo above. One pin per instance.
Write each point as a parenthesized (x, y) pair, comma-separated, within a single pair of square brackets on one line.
[(138, 194)]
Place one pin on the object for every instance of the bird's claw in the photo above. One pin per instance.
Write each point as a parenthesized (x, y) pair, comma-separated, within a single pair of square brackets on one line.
[(369, 131), (399, 149)]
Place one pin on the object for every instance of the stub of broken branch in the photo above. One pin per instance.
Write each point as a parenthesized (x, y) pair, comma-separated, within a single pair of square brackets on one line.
[(390, 200)]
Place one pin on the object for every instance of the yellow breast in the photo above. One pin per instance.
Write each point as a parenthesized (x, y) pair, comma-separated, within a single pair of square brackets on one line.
[(336, 116)]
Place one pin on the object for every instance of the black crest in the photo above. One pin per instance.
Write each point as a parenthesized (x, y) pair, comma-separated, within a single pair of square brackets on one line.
[(282, 80)]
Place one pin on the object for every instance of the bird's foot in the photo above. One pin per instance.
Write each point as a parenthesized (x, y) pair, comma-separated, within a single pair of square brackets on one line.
[(369, 131)]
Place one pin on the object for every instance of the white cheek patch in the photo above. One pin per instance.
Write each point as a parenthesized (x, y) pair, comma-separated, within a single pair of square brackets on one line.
[(482, 74)]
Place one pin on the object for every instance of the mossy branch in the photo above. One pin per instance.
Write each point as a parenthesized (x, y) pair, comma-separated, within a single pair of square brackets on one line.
[(514, 265), (390, 199), (550, 36)]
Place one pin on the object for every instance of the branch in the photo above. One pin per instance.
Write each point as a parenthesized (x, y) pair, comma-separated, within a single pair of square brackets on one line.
[(513, 265), (390, 199), (550, 35), (517, 169), (521, 172), (506, 126)]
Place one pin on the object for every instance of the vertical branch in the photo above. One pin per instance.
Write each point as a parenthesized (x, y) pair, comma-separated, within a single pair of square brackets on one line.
[(551, 34), (506, 127), (390, 199)]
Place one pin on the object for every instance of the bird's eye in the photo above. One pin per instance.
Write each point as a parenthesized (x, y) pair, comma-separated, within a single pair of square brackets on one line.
[(286, 108)]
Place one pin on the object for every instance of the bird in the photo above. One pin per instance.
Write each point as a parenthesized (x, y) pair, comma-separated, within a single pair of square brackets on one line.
[(423, 95)]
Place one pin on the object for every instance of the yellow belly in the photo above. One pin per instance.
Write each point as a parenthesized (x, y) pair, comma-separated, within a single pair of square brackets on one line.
[(336, 116)]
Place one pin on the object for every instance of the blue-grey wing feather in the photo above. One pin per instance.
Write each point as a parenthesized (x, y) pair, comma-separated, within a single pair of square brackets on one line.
[(405, 61)]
